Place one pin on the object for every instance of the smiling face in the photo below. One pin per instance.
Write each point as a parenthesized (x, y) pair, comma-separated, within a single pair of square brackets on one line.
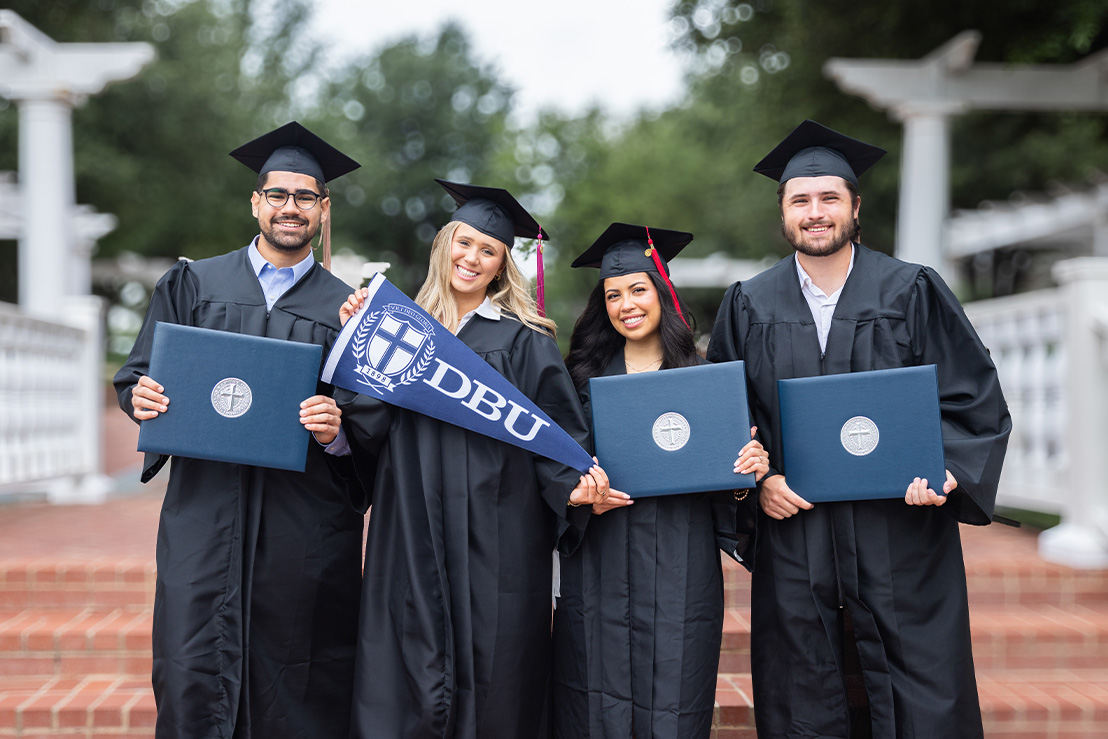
[(288, 229), (633, 305), (475, 261), (818, 214)]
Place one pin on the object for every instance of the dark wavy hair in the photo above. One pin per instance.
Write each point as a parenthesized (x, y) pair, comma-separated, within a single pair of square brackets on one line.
[(595, 340)]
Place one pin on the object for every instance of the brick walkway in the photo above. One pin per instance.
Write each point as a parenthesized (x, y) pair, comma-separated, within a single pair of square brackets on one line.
[(76, 587)]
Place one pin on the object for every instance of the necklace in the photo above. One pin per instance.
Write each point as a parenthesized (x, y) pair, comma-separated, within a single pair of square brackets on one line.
[(642, 369)]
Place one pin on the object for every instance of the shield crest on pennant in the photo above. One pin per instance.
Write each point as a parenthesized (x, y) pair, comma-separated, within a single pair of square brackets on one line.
[(394, 344)]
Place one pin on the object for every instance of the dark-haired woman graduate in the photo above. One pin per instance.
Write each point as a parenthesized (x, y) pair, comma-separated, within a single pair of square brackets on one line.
[(454, 637), (637, 628)]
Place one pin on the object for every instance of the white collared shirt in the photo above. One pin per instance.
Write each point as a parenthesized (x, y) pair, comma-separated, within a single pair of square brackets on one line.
[(276, 282), (485, 310), (820, 303)]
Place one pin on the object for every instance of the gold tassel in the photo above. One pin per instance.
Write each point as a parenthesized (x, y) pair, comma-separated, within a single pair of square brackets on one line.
[(325, 243)]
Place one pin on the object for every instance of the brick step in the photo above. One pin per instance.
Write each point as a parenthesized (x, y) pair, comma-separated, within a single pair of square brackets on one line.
[(1004, 637), (1044, 704), (69, 644), (66, 583), (1015, 704), (734, 655), (1032, 581), (1002, 568), (87, 707), (1039, 637), (734, 714)]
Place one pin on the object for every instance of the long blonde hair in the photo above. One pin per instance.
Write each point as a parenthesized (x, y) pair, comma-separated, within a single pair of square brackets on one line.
[(510, 292)]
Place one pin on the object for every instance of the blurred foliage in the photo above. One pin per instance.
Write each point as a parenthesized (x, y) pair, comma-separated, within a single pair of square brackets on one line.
[(153, 150), (760, 65), (420, 109)]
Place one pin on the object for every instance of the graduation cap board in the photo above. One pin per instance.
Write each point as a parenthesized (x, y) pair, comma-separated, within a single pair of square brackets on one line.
[(814, 150), (624, 249), (293, 148), (493, 211)]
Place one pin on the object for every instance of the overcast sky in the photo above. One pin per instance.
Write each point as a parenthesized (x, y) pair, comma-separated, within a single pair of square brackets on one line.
[(561, 53)]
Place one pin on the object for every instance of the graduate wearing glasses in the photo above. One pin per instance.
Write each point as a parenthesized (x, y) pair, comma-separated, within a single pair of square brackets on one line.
[(256, 609)]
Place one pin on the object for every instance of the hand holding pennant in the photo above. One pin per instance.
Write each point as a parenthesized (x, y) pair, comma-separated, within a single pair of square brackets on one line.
[(394, 351)]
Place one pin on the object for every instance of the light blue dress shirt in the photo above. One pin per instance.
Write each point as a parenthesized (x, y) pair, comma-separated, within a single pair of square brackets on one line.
[(275, 283)]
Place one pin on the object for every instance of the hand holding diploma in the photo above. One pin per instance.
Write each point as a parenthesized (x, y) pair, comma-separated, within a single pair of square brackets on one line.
[(919, 493), (147, 399), (753, 458), (322, 417)]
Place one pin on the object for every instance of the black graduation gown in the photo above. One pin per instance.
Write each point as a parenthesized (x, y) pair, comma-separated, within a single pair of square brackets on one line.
[(897, 569), (256, 607), (455, 623), (638, 626)]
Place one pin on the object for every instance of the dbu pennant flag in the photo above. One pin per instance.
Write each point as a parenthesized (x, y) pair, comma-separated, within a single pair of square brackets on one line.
[(394, 351)]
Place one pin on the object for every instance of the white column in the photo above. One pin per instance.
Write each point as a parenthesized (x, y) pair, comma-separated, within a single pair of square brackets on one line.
[(46, 186), (1081, 540), (925, 185)]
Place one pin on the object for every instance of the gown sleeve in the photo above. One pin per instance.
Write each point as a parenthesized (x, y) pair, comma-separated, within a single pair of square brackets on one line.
[(366, 422), (172, 302), (975, 419), (543, 377), (737, 521)]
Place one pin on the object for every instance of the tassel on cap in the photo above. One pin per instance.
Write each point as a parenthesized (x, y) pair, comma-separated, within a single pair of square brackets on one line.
[(653, 253), (540, 282)]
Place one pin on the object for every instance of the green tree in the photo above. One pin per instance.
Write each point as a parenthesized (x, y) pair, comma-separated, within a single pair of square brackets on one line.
[(761, 66), (420, 109), (153, 150)]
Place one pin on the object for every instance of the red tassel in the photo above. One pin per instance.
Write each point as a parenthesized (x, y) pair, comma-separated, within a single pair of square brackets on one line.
[(540, 283), (665, 277)]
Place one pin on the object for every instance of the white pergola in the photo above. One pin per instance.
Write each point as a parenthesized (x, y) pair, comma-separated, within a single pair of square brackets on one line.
[(1072, 219), (46, 80), (924, 94)]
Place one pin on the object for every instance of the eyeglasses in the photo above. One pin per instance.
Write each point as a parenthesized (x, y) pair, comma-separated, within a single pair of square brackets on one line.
[(304, 199)]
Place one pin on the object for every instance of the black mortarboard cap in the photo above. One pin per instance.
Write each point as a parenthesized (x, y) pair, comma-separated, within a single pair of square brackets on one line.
[(623, 249), (293, 148), (492, 211), (814, 150)]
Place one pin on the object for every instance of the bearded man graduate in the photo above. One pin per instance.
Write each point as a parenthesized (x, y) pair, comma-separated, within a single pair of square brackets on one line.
[(256, 608), (887, 574)]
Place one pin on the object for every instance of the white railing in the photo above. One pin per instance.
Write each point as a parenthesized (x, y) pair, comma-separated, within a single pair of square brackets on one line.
[(1025, 336), (1051, 352), (51, 402)]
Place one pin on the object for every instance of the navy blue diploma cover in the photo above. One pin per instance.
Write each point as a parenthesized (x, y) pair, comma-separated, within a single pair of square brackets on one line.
[(232, 397), (862, 435), (673, 431)]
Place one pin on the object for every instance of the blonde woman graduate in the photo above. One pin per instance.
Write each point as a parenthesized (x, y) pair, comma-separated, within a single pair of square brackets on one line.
[(454, 637), (638, 625)]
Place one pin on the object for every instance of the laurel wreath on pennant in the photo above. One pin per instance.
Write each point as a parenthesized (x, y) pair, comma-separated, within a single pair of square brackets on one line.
[(360, 334), (420, 366)]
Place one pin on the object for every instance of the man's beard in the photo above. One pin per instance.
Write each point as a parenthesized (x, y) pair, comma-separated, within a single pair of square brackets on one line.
[(797, 240), (288, 242)]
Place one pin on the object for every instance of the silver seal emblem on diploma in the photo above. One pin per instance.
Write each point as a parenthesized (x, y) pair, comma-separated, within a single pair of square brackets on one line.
[(231, 397), (671, 431), (859, 436)]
